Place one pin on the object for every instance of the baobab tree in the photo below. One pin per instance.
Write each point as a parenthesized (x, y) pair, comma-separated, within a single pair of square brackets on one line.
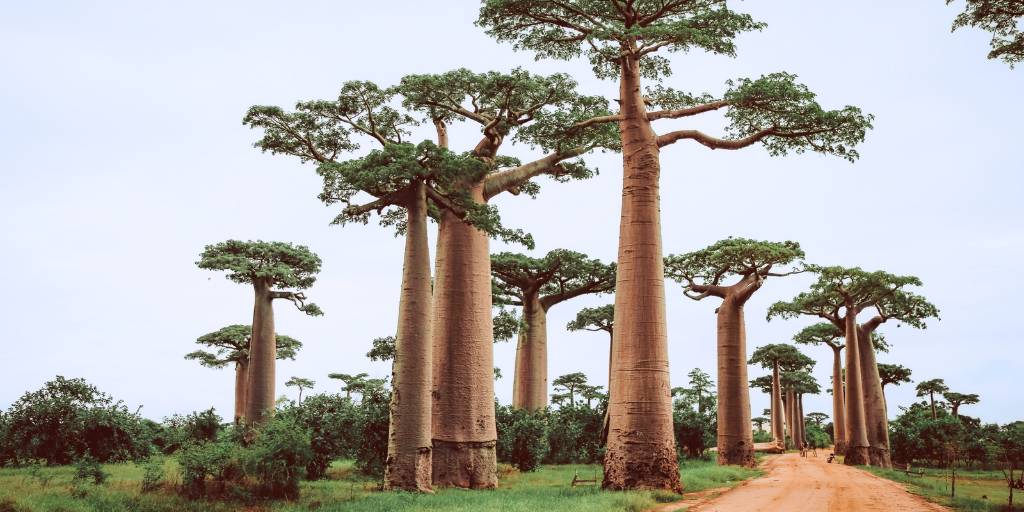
[(955, 400), (591, 393), (894, 374), (601, 318), (852, 290), (796, 384), (621, 40), (406, 184), (1001, 18), (301, 383), (703, 274), (569, 383), (779, 358), (276, 270), (536, 285), (231, 345), (829, 335), (929, 388), (817, 417), (759, 421), (533, 110)]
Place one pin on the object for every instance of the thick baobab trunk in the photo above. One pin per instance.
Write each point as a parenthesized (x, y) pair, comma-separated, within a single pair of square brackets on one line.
[(409, 442), (735, 435), (259, 400), (530, 386), (801, 419), (791, 418), (838, 403), (778, 423), (641, 450), (241, 384), (856, 427), (464, 431), (874, 403)]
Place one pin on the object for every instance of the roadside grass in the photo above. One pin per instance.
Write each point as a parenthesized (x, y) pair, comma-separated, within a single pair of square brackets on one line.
[(976, 491), (51, 489)]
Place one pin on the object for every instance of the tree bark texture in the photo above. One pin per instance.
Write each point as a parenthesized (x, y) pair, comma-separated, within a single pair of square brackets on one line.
[(778, 415), (259, 400), (856, 427), (641, 451), (409, 440), (464, 433), (530, 385), (838, 402), (874, 403), (790, 405), (735, 434), (241, 384)]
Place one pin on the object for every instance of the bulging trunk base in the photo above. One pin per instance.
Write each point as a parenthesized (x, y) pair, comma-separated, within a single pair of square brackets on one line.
[(469, 465), (839, 448), (857, 456), (738, 453), (409, 472), (879, 457), (657, 471)]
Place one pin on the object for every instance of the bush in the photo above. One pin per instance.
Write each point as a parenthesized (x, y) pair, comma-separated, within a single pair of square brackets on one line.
[(817, 437), (218, 463), (178, 430), (279, 457), (522, 437), (334, 424), (68, 419), (762, 436), (152, 475), (575, 434), (372, 452), (87, 468)]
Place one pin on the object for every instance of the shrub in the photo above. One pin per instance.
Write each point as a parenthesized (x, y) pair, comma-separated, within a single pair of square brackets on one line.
[(279, 457), (179, 430), (522, 437), (372, 452), (87, 468), (575, 435), (152, 475), (334, 424), (218, 462), (66, 420), (817, 437)]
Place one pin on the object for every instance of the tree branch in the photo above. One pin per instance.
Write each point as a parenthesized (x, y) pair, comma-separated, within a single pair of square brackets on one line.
[(688, 111), (512, 178)]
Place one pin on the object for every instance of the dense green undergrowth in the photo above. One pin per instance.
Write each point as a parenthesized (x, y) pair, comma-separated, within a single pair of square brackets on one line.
[(976, 491), (54, 489)]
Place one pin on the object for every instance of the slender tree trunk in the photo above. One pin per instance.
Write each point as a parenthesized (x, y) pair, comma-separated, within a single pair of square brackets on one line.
[(607, 417), (838, 403), (735, 434), (801, 419), (530, 386), (931, 396), (778, 423), (874, 403), (259, 401), (641, 450), (856, 427), (464, 432), (409, 441), (241, 384), (790, 405)]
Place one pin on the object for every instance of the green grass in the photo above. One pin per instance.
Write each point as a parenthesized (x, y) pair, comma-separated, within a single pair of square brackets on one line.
[(546, 489), (971, 486)]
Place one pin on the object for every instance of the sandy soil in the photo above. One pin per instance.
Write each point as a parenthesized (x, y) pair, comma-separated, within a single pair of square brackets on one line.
[(793, 483)]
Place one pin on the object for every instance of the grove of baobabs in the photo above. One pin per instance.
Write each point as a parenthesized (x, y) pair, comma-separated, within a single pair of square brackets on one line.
[(568, 255)]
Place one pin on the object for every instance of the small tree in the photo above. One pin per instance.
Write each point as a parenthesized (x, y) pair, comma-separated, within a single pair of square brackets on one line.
[(955, 400), (703, 274), (894, 374), (536, 285), (929, 388), (300, 383), (231, 345), (1010, 445), (1002, 18), (759, 421), (268, 267), (568, 384), (352, 382)]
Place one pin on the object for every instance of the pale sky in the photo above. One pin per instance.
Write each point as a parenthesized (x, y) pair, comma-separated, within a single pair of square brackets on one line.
[(122, 154)]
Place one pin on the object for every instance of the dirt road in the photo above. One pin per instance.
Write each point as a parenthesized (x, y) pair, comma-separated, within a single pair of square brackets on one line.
[(793, 483)]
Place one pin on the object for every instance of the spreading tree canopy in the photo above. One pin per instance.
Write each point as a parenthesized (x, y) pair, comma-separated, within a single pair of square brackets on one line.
[(273, 264), (894, 374), (230, 345), (1003, 19), (558, 276), (601, 318)]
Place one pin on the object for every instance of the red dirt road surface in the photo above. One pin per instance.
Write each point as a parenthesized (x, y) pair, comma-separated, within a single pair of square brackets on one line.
[(793, 483)]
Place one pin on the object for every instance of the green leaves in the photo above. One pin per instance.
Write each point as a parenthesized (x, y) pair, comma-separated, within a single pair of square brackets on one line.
[(560, 275), (731, 257), (820, 333), (506, 325), (894, 374), (606, 31), (1002, 18), (601, 318), (231, 345), (786, 356), (276, 263)]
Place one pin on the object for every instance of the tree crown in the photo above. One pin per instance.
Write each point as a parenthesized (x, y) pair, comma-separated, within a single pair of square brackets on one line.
[(1002, 18), (786, 356), (558, 276), (276, 263), (703, 272), (383, 349), (822, 333), (958, 399), (894, 374), (232, 346), (601, 318), (931, 386), (300, 382)]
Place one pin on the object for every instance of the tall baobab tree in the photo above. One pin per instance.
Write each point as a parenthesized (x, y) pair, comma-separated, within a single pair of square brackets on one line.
[(817, 417), (276, 270), (955, 400), (1001, 18), (533, 110), (779, 358), (929, 388), (759, 421), (894, 374), (703, 274), (797, 384), (569, 384), (621, 40), (536, 285), (851, 291), (301, 383), (231, 345), (829, 335)]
